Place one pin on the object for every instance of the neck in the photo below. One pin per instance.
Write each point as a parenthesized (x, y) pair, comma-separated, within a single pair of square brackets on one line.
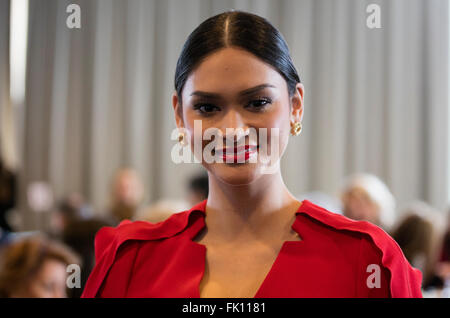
[(256, 210)]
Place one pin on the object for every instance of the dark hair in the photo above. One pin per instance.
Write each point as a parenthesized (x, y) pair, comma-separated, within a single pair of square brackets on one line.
[(200, 184), (239, 29)]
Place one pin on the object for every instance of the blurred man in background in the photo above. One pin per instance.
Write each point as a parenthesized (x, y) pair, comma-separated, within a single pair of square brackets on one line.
[(126, 194), (7, 195), (74, 224)]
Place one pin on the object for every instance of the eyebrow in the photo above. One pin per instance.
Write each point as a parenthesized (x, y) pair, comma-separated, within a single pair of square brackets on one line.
[(247, 91)]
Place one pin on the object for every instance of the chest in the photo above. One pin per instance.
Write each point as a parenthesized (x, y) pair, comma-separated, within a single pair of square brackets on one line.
[(236, 272)]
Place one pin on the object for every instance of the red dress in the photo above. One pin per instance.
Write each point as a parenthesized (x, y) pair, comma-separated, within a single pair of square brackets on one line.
[(336, 257)]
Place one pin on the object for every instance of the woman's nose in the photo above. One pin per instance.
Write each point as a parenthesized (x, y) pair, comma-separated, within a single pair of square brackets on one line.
[(233, 126)]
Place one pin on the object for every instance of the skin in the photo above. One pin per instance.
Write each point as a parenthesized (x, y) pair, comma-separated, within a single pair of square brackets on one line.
[(48, 282), (249, 214), (126, 194), (358, 206), (127, 188)]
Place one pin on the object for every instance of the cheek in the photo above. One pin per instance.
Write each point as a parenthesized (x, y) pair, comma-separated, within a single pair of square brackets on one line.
[(280, 116), (36, 290), (373, 210), (195, 130), (278, 122), (191, 122)]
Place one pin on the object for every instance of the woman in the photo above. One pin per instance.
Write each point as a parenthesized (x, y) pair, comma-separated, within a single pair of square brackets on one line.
[(251, 237), (35, 267), (366, 198), (419, 235)]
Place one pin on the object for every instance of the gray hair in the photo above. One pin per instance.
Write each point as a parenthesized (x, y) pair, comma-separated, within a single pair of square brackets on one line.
[(378, 193)]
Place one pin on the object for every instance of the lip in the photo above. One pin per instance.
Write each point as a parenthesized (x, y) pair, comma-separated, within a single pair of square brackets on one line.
[(237, 154)]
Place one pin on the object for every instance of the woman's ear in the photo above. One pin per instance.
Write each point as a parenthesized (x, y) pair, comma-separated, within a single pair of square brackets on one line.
[(297, 104), (177, 110)]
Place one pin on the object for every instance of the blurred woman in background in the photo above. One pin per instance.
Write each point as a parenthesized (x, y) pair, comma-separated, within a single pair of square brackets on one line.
[(366, 198), (35, 267), (419, 234)]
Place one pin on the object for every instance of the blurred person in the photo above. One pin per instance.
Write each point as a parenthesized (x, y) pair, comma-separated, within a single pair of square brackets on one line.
[(126, 194), (161, 210), (35, 267), (251, 237), (444, 259), (8, 194), (197, 189), (419, 234), (366, 198), (73, 224), (5, 237), (79, 235), (69, 209), (324, 200), (442, 273)]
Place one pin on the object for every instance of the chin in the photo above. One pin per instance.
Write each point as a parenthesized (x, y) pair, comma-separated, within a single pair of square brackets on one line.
[(235, 174)]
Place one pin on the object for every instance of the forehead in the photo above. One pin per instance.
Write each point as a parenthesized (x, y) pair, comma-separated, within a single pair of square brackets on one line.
[(231, 70)]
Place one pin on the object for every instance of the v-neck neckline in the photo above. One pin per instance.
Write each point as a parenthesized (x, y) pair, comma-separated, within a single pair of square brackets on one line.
[(281, 252)]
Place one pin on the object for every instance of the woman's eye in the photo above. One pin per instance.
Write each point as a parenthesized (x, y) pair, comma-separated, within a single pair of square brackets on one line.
[(206, 108), (259, 103)]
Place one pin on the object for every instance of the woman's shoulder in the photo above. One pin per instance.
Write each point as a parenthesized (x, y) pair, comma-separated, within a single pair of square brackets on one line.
[(340, 228), (108, 238), (343, 224), (110, 242), (374, 243)]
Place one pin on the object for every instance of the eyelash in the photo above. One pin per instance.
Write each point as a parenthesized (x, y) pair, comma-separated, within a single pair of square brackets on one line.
[(267, 101)]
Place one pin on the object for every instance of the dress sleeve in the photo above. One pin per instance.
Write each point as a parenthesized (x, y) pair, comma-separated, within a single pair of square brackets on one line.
[(373, 278), (115, 283), (113, 264), (102, 243), (383, 270)]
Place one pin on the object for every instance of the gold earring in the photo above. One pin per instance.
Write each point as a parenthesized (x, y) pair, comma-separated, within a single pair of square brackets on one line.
[(296, 129), (181, 139)]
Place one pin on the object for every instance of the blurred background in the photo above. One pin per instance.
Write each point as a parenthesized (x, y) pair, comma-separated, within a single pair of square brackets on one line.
[(86, 121)]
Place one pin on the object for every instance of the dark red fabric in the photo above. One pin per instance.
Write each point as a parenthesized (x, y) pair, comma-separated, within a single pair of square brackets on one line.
[(140, 259)]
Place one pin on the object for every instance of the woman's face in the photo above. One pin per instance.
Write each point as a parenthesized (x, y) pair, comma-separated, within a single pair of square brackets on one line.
[(230, 90), (48, 282), (358, 206)]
